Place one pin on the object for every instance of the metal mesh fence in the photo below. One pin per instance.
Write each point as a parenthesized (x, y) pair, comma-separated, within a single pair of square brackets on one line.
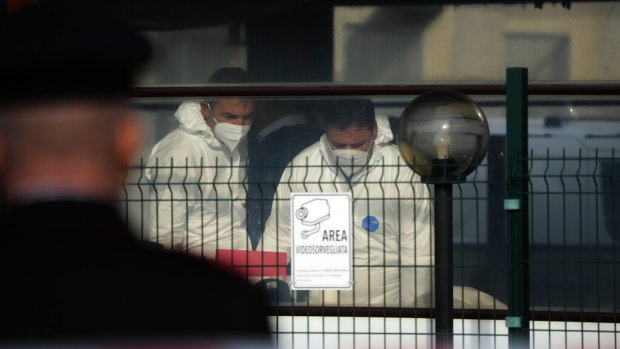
[(574, 201), (574, 248)]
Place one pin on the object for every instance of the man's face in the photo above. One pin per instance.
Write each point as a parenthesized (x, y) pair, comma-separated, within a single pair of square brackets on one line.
[(232, 111), (352, 137)]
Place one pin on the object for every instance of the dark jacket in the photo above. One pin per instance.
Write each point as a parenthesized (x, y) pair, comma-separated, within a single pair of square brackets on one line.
[(73, 270)]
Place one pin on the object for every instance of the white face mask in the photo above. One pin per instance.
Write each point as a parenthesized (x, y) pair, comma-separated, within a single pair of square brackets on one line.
[(229, 134), (350, 161)]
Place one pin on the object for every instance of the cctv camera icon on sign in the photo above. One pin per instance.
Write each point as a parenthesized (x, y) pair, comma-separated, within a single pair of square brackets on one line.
[(312, 213)]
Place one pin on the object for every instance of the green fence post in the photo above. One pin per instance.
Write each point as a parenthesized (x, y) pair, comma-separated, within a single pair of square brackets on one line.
[(516, 206)]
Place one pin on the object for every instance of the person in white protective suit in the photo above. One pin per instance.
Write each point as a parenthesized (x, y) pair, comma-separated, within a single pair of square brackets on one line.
[(198, 175), (393, 253)]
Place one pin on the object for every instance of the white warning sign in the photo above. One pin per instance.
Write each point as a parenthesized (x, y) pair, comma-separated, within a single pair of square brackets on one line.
[(321, 236)]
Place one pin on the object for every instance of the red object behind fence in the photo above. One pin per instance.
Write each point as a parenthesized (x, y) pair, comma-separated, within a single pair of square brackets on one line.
[(253, 263)]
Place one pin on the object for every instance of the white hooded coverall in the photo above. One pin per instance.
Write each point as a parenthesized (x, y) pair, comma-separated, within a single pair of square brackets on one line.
[(198, 188), (393, 253)]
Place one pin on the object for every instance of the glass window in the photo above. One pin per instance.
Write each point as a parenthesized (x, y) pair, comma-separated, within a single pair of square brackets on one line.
[(396, 44)]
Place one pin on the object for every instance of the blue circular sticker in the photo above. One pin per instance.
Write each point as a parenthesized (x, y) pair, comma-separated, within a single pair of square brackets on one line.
[(370, 224)]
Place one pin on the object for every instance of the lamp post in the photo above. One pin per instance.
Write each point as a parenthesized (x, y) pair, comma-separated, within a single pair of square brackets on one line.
[(443, 137)]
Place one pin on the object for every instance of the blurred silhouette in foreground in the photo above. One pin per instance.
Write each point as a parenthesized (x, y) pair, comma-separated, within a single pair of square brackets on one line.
[(70, 268)]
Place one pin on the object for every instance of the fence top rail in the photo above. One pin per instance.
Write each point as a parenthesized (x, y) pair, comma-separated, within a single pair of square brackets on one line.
[(474, 314), (335, 90)]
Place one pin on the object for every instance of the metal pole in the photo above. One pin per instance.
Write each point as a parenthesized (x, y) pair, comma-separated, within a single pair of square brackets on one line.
[(516, 206), (443, 265)]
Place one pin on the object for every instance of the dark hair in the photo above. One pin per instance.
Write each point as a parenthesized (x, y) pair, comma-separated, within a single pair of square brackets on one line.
[(231, 75), (345, 113)]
